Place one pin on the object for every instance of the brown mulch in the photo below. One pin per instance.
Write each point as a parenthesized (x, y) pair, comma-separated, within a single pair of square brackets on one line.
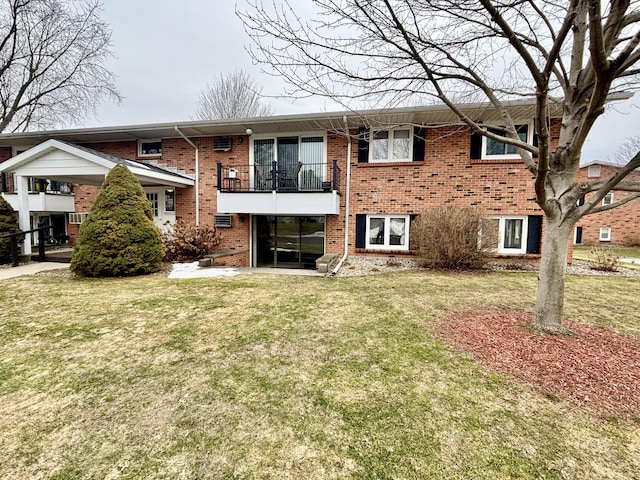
[(592, 367)]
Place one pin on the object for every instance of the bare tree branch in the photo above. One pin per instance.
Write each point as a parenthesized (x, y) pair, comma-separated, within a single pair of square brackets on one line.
[(52, 63), (232, 96)]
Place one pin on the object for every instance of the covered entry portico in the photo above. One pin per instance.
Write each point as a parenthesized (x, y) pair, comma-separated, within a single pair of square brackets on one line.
[(64, 162)]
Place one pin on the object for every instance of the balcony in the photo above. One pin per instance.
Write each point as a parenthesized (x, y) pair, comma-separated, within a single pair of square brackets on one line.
[(280, 189), (44, 202)]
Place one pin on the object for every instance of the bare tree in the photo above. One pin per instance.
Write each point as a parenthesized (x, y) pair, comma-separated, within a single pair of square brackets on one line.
[(570, 56), (235, 95), (52, 62)]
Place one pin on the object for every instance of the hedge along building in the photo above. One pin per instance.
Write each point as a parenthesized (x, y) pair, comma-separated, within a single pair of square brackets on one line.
[(285, 190)]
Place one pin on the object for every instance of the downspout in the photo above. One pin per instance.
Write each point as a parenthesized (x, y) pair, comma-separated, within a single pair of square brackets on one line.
[(197, 174), (346, 203)]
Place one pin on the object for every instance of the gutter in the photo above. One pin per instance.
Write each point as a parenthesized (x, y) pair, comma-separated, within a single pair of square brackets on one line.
[(197, 174), (346, 205)]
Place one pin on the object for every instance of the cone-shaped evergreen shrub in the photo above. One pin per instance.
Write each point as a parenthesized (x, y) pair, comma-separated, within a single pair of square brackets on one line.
[(119, 238), (8, 219)]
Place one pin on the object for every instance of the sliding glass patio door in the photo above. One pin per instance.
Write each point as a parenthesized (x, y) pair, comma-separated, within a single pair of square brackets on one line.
[(288, 241)]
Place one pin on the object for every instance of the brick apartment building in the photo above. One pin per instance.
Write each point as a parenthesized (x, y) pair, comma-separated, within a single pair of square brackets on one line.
[(619, 226), (285, 190)]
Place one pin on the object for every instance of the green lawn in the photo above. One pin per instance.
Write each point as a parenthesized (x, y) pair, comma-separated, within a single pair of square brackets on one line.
[(584, 253), (267, 376)]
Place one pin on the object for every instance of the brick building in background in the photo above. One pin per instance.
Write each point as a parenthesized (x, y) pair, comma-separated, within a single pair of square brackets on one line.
[(285, 190), (619, 226)]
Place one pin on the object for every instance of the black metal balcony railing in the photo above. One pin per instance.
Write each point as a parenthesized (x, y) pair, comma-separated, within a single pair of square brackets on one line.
[(36, 185), (300, 177)]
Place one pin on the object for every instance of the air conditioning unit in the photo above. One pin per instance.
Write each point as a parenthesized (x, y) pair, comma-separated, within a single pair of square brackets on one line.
[(221, 144), (222, 221)]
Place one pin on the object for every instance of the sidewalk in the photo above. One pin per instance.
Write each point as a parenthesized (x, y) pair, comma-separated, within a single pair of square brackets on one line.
[(30, 269)]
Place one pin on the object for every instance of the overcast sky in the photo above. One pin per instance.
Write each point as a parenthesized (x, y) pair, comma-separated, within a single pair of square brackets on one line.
[(166, 51)]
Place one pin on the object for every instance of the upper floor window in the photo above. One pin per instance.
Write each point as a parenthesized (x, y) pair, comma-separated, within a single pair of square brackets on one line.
[(494, 149), (593, 171), (394, 145), (149, 148), (608, 199)]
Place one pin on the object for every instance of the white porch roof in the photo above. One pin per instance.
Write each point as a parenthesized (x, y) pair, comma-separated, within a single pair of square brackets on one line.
[(65, 162)]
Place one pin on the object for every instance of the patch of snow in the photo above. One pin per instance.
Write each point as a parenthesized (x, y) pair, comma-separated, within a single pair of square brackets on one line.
[(192, 270)]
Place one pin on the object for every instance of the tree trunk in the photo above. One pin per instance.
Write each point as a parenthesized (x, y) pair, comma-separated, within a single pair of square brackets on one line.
[(553, 265)]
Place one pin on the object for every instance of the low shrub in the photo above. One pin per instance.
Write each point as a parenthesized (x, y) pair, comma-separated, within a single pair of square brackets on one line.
[(634, 241), (605, 261), (188, 243), (454, 238)]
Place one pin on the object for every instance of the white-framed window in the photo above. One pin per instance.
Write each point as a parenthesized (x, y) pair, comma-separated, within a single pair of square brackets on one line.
[(393, 145), (607, 199), (387, 232), (492, 149), (18, 149), (77, 218), (605, 234), (593, 171), (512, 234), (153, 199), (150, 148)]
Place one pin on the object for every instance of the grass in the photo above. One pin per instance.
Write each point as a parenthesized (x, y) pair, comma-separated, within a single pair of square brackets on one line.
[(260, 377), (584, 253)]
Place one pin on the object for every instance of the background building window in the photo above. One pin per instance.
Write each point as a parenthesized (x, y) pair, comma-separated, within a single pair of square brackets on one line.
[(605, 234), (593, 171)]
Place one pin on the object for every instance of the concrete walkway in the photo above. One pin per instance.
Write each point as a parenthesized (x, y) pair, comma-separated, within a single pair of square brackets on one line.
[(30, 269)]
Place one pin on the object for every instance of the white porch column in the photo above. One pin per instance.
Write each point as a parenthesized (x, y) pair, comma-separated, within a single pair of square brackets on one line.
[(23, 211)]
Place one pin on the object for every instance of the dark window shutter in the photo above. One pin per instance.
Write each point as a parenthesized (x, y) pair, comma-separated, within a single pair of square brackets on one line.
[(363, 146), (578, 235), (476, 146), (581, 201), (361, 230), (534, 233), (418, 143)]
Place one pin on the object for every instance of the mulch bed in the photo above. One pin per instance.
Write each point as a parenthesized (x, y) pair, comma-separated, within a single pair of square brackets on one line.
[(592, 367)]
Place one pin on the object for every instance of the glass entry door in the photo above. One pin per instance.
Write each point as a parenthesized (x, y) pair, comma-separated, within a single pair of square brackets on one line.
[(287, 241)]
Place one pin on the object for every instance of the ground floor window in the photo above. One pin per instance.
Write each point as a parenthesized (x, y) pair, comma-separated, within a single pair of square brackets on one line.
[(512, 234), (605, 234), (387, 232)]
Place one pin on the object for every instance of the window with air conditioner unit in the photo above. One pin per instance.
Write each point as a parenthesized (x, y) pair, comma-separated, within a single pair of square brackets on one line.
[(222, 221), (221, 144)]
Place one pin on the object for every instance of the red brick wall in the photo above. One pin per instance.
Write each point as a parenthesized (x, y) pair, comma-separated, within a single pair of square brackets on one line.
[(446, 177), (624, 221)]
